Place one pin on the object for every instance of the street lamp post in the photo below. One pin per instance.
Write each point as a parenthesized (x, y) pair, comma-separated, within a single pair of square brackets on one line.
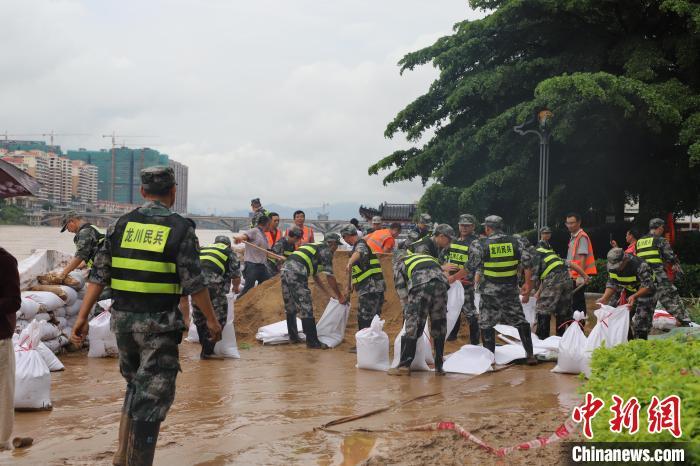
[(542, 130)]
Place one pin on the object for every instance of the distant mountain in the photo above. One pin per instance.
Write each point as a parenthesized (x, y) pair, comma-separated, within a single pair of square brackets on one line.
[(337, 211)]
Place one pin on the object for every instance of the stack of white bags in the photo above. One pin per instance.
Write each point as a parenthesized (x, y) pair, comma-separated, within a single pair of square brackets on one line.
[(33, 365)]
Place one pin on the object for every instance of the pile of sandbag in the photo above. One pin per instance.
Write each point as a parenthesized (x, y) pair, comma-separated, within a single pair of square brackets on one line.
[(103, 343)]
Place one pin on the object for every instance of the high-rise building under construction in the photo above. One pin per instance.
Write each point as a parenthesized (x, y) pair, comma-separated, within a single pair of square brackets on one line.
[(119, 170)]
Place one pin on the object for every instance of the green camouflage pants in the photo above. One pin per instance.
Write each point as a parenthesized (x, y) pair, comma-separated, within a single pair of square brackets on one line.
[(468, 308), (149, 362), (500, 304), (643, 313), (296, 294), (370, 305), (219, 303), (429, 299), (667, 295), (555, 298)]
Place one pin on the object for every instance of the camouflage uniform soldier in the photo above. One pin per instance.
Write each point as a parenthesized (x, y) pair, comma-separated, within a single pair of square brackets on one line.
[(634, 275), (458, 254), (284, 247), (422, 287), (150, 258), (497, 258), (366, 277), (435, 244), (87, 240), (656, 251), (555, 287), (221, 269), (422, 228), (308, 260)]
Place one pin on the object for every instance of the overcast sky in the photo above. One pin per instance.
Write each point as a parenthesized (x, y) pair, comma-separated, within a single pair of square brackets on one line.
[(286, 100)]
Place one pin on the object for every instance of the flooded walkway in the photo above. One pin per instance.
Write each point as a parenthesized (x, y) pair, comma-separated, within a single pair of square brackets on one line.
[(264, 407)]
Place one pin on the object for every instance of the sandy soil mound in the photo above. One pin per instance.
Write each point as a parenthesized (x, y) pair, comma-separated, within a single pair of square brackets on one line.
[(264, 305)]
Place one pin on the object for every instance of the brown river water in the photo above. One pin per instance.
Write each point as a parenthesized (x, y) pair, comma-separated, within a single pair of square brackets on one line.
[(265, 408)]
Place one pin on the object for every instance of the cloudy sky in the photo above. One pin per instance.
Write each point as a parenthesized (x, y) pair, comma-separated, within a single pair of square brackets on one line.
[(286, 100)]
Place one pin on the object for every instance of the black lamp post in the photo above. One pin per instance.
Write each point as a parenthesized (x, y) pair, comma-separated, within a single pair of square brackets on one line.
[(540, 124)]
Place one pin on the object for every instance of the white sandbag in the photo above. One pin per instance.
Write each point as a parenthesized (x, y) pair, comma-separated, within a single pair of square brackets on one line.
[(29, 309), (663, 320), (331, 325), (512, 332), (48, 354), (275, 334), (60, 312), (572, 347), (60, 322), (48, 299), (550, 343), (98, 327), (470, 359), (227, 346), (32, 380), (71, 294), (505, 354), (418, 363), (455, 300), (74, 308), (82, 292), (79, 277), (426, 342), (103, 348), (529, 309), (192, 335), (48, 331), (373, 347), (42, 316), (105, 304), (610, 330)]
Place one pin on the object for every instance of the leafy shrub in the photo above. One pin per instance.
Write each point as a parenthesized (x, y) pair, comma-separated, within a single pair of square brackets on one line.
[(641, 368)]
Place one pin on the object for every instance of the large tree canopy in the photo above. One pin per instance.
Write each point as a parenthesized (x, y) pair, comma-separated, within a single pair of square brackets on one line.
[(622, 78)]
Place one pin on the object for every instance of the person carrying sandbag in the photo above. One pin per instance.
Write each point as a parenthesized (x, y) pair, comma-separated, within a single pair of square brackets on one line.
[(150, 258)]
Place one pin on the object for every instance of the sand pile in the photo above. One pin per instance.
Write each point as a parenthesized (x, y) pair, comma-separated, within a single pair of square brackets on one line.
[(264, 305)]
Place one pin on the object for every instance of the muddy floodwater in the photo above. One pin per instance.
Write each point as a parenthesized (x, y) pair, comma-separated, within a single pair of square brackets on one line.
[(263, 408)]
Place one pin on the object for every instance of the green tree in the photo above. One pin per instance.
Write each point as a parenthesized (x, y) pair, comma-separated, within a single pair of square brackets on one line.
[(622, 78), (12, 215)]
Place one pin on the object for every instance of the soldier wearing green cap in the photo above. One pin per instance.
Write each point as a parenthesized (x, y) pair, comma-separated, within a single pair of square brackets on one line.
[(222, 271), (309, 260), (87, 239), (456, 257), (150, 258), (285, 246), (657, 252), (636, 276), (366, 277), (422, 228), (433, 245), (497, 258)]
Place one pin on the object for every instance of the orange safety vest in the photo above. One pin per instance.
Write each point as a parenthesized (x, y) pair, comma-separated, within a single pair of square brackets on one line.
[(306, 236), (377, 239), (272, 240), (589, 267)]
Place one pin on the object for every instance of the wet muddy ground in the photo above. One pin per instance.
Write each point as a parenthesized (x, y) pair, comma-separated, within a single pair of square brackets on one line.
[(263, 408)]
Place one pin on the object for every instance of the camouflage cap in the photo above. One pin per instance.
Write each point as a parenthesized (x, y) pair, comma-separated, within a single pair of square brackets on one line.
[(295, 232), (255, 201), (444, 229), (493, 221), (67, 217), (158, 178), (413, 235), (223, 239), (376, 219), (615, 256), (425, 218), (545, 229), (467, 219), (332, 237), (656, 223), (348, 230)]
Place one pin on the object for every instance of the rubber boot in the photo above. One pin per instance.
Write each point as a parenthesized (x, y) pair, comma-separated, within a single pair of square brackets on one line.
[(312, 340), (142, 443), (526, 339), (543, 326), (439, 356), (119, 458), (292, 329), (455, 330), (474, 330), (488, 337), (408, 352)]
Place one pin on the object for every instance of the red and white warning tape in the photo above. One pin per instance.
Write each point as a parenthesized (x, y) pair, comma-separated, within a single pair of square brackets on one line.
[(562, 432)]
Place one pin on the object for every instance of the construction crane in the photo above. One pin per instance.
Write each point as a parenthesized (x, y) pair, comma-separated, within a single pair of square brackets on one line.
[(53, 134), (114, 137)]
